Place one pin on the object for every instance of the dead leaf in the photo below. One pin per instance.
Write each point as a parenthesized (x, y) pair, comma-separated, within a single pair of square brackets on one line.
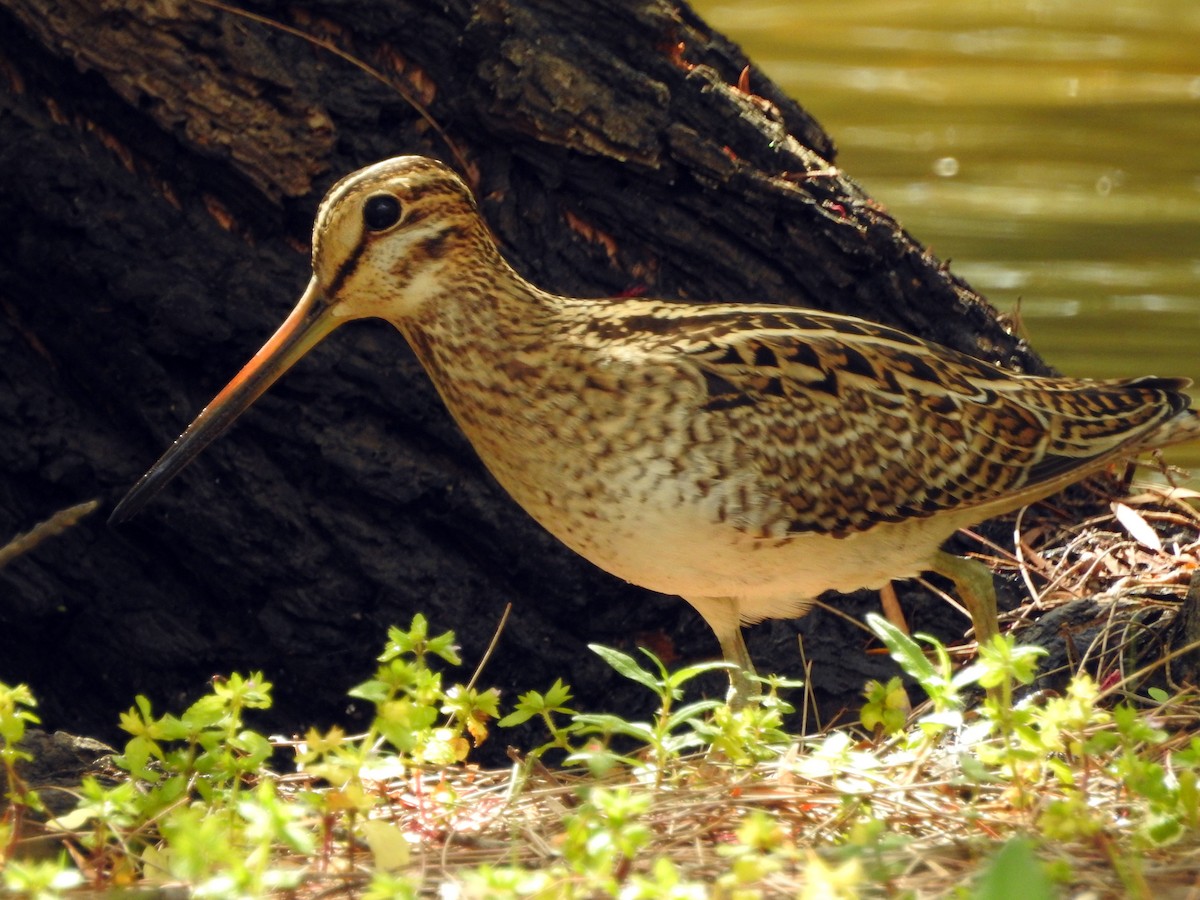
[(1139, 529)]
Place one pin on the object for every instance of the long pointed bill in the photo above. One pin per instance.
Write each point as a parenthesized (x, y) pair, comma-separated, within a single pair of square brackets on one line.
[(308, 323)]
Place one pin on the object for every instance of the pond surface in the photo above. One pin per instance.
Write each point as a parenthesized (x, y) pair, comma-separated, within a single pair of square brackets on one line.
[(1051, 150)]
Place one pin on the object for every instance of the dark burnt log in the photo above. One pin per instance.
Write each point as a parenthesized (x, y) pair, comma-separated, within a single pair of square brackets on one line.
[(160, 165)]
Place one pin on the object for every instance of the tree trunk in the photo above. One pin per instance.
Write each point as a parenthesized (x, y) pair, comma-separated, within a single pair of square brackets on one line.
[(160, 165)]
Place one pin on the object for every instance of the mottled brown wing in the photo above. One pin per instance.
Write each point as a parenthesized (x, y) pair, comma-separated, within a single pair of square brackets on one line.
[(857, 424)]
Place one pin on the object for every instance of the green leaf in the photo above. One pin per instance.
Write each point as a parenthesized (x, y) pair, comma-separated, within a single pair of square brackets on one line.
[(15, 712), (604, 723), (518, 716), (443, 646), (136, 758), (966, 675), (627, 666), (256, 748), (390, 850), (1015, 872), (416, 641), (687, 673), (1163, 829), (600, 762), (531, 704), (400, 642), (691, 711), (206, 712), (467, 702), (558, 694), (1003, 658), (373, 691), (905, 651)]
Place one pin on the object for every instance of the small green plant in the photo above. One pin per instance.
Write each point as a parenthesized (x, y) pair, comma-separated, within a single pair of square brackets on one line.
[(672, 731), (606, 835), (389, 886), (496, 882), (886, 706), (586, 738), (45, 879), (199, 805), (548, 707), (16, 713), (1015, 871), (754, 733), (762, 847), (208, 746), (1165, 783), (942, 683), (233, 851), (600, 844), (1049, 752), (409, 697), (665, 881), (1016, 748)]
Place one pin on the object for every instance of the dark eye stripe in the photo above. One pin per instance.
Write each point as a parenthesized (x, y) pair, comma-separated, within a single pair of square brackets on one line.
[(345, 270)]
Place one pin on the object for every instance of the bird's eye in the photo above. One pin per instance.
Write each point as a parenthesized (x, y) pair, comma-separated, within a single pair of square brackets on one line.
[(381, 212)]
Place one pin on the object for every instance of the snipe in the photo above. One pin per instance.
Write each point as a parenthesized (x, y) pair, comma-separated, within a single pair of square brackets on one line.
[(745, 457)]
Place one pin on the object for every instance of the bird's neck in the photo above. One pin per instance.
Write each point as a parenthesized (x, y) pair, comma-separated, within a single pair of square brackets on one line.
[(480, 323)]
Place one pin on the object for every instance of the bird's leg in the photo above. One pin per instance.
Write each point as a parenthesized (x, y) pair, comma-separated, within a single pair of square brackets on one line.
[(724, 618), (891, 607), (741, 684), (973, 581)]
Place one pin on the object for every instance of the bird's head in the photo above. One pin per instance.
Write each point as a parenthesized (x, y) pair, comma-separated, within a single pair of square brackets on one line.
[(382, 240), (385, 235)]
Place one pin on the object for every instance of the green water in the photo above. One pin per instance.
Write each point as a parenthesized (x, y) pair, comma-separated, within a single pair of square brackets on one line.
[(1051, 150)]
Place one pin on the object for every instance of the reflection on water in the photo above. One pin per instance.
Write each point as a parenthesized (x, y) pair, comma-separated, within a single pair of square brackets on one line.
[(1050, 148)]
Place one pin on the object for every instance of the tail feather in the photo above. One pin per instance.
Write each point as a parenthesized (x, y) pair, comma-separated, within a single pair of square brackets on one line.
[(1179, 428), (1089, 422), (1183, 427)]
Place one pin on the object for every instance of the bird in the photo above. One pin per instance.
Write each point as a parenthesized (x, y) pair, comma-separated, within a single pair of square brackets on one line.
[(746, 457)]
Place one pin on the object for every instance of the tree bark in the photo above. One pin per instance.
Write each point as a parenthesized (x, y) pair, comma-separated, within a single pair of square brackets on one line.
[(160, 165)]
